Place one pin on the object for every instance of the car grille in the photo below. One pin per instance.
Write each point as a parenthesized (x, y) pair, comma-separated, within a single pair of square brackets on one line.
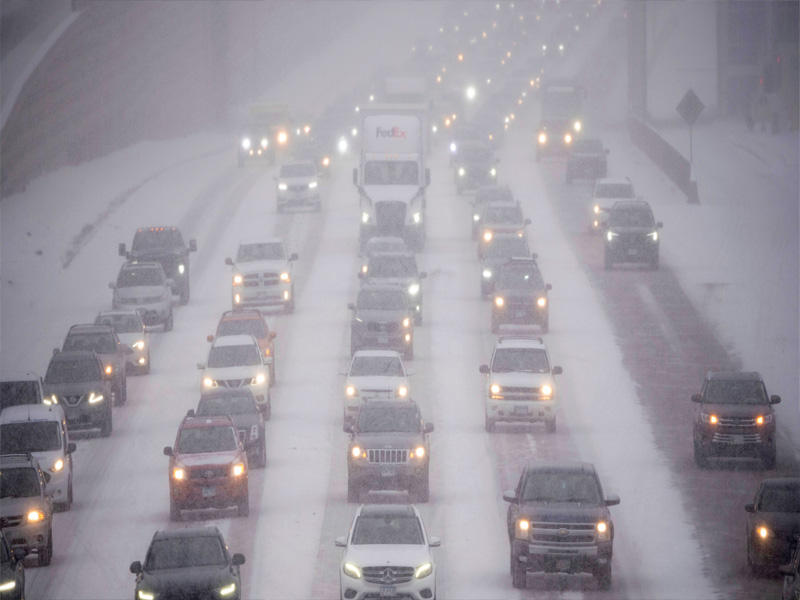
[(388, 456), (383, 327), (522, 391), (388, 575), (730, 438), (72, 400), (737, 421), (14, 521), (208, 473), (563, 534), (266, 279), (232, 383), (147, 300), (298, 188), (400, 596)]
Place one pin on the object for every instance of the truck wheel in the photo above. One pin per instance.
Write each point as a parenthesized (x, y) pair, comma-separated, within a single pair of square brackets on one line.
[(174, 510), (603, 575), (352, 491), (489, 424), (700, 458), (550, 425), (519, 575), (421, 489), (169, 322), (244, 506), (46, 552), (106, 426)]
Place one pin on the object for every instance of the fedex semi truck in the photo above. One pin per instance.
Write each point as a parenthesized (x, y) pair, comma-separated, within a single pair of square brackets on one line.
[(392, 174)]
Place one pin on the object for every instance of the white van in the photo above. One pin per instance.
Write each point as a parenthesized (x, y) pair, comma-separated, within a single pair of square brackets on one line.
[(41, 430)]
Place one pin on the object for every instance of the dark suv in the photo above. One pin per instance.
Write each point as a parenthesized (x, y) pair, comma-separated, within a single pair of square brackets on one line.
[(773, 525), (388, 449), (397, 268), (558, 521), (382, 320), (164, 245), (240, 405), (734, 417), (520, 295), (499, 250), (631, 234), (104, 341), (475, 166)]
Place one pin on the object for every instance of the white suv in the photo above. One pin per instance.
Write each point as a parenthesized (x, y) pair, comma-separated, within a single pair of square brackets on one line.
[(235, 361), (387, 554), (520, 383), (262, 275), (606, 192), (373, 374), (297, 184)]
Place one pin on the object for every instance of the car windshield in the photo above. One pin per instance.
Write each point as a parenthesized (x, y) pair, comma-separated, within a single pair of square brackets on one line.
[(196, 440), (265, 251), (503, 214), (72, 371), (13, 393), (614, 190), (527, 360), (298, 170), (29, 436), (121, 323), (783, 498), (388, 419), (588, 147), (229, 405), (561, 103), (735, 392), (363, 366), (506, 248), (19, 483), (140, 276), (376, 245), (630, 218), (255, 327), (387, 172), (392, 266), (554, 486), (234, 356), (381, 300), (160, 239), (176, 553), (527, 279), (387, 529), (102, 343), (493, 195), (476, 155)]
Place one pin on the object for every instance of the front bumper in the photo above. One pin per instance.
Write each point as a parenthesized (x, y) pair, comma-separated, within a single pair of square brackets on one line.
[(735, 441), (28, 536), (632, 249), (567, 558), (361, 589), (386, 476), (85, 415), (530, 411), (219, 492), (524, 314), (276, 295), (153, 313), (306, 197), (775, 551)]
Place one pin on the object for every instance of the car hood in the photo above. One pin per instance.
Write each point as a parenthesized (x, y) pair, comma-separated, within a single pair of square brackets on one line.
[(296, 180), (741, 411), (11, 507), (389, 555), (389, 441), (141, 291), (504, 226), (518, 379), (255, 266), (129, 339), (187, 579), (377, 382), (233, 372), (617, 229), (401, 281), (74, 389), (202, 459), (564, 512), (381, 316), (245, 421), (786, 523), (518, 294)]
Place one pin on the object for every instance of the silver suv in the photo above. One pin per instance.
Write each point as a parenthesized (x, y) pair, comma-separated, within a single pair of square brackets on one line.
[(26, 508), (144, 286)]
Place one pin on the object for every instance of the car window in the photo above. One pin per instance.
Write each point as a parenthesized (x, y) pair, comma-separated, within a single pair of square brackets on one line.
[(255, 327), (528, 360), (381, 300), (783, 499), (168, 239), (385, 172), (503, 214), (298, 170), (102, 343), (194, 440), (230, 405), (140, 276), (72, 371), (29, 436), (121, 323), (543, 486), (630, 218), (387, 529), (234, 356), (13, 393), (386, 419), (506, 248), (265, 251), (181, 552), (19, 483), (392, 266), (614, 190), (520, 279), (390, 366), (735, 392)]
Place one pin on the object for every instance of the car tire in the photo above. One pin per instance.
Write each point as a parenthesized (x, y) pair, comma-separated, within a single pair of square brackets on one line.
[(288, 308), (489, 424), (519, 575), (174, 511), (550, 425), (603, 575), (421, 489), (107, 426), (700, 458), (243, 506), (169, 322), (46, 552), (70, 496), (268, 407), (353, 494)]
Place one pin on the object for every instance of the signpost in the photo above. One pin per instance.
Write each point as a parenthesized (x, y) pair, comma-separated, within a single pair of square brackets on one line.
[(690, 108)]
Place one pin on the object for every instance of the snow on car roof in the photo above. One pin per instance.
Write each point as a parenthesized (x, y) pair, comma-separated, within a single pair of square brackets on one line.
[(240, 339), (388, 353), (520, 342)]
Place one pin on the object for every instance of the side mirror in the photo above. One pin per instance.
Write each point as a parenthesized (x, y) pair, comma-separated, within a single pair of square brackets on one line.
[(750, 507), (347, 428), (201, 366), (122, 250), (19, 554), (697, 398), (272, 335), (341, 542), (351, 306), (527, 221), (612, 500), (557, 371), (112, 285), (168, 451), (434, 542), (237, 559), (71, 447), (774, 399), (229, 262), (510, 496), (192, 245), (136, 567), (355, 176), (548, 287), (534, 256), (428, 427), (659, 225), (190, 412), (484, 369), (423, 275), (293, 257), (209, 338)]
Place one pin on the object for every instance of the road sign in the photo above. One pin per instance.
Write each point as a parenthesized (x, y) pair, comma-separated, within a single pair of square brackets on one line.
[(690, 107)]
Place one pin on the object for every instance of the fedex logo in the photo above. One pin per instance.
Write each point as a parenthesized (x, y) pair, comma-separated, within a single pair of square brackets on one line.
[(393, 132)]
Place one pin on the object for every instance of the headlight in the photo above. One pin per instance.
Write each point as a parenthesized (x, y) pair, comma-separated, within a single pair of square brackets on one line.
[(546, 390), (356, 452), (351, 390), (53, 399), (283, 137), (712, 419), (523, 529), (763, 532), (542, 138), (417, 217), (423, 570), (139, 345), (453, 147), (487, 274), (603, 531), (541, 302), (181, 269), (258, 379), (227, 590), (364, 217), (254, 432), (58, 465), (312, 185), (402, 391), (285, 276), (499, 301), (406, 322), (237, 279), (246, 146), (413, 289), (35, 516), (7, 586), (493, 172), (653, 236), (95, 398), (326, 161), (487, 237), (209, 382), (434, 129), (109, 369), (419, 451), (577, 126), (610, 235), (342, 145), (764, 419), (237, 470), (142, 595), (596, 209), (354, 132), (264, 143), (283, 187), (495, 388), (476, 217), (568, 138), (178, 473), (352, 571), (461, 171)]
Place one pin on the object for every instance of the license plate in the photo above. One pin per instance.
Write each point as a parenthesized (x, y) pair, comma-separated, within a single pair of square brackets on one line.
[(521, 410), (387, 472), (209, 492), (387, 591), (383, 339), (633, 251), (562, 566), (738, 439), (521, 313)]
